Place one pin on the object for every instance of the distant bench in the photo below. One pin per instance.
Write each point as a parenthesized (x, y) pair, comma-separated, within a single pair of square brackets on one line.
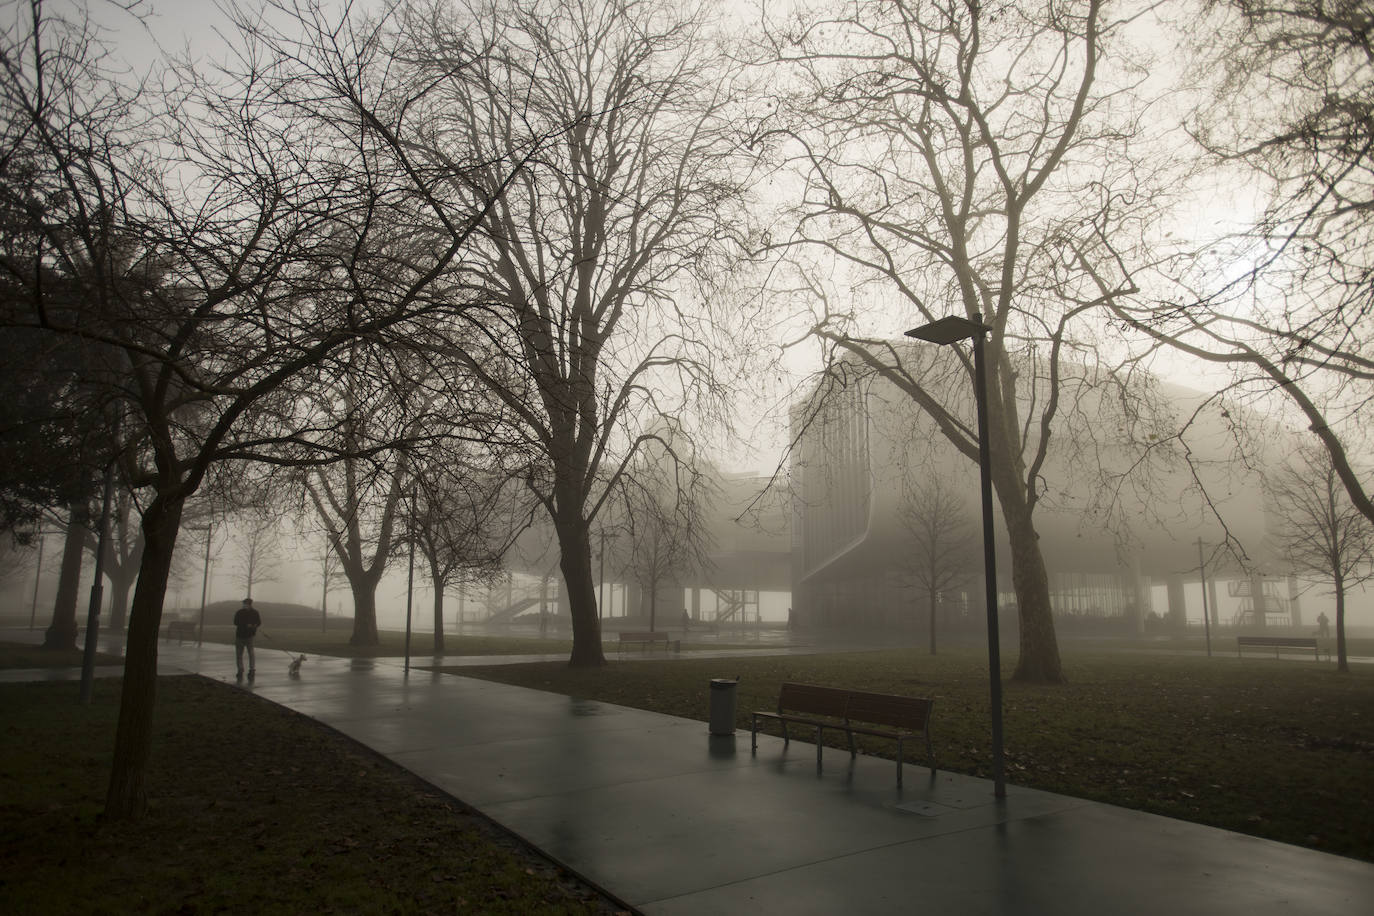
[(647, 640), (181, 630), (854, 712), (1278, 642)]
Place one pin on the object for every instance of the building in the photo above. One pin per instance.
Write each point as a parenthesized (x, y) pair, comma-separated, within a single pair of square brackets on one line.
[(1123, 505)]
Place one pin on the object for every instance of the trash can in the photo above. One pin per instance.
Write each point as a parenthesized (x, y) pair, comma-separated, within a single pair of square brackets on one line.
[(723, 705)]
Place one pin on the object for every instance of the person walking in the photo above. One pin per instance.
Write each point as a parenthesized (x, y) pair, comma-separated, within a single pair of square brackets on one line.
[(246, 623)]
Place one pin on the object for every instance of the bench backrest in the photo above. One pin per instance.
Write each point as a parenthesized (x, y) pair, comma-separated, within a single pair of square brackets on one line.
[(821, 701), (637, 636), (886, 709), (1307, 642)]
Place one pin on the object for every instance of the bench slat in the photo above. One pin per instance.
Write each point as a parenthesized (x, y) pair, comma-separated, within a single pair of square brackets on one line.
[(809, 698), (906, 717), (1290, 642), (884, 709)]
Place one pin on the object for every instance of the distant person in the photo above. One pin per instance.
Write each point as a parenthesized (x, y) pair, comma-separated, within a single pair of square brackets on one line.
[(686, 621), (1323, 624), (246, 623)]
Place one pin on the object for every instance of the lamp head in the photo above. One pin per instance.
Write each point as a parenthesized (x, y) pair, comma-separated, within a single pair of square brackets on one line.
[(947, 330)]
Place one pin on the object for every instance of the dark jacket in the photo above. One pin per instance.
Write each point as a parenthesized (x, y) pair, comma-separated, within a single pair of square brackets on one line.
[(246, 622)]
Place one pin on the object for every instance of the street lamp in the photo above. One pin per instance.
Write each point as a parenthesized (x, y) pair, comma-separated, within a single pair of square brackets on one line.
[(204, 580), (944, 332)]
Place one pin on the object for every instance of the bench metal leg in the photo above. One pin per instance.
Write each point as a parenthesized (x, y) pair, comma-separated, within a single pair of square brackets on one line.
[(899, 763)]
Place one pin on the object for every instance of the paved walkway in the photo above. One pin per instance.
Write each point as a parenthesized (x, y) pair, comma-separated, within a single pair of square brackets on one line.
[(671, 820)]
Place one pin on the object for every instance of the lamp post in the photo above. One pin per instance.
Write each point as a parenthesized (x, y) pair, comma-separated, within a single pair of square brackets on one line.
[(410, 575), (205, 581), (97, 586), (37, 578), (946, 331), (1206, 620)]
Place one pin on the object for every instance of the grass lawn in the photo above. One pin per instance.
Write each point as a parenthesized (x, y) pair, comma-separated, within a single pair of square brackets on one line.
[(312, 641), (1276, 748), (253, 809), (25, 656), (391, 643)]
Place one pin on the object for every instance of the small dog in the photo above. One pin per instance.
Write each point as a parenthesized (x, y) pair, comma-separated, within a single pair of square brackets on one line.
[(294, 669)]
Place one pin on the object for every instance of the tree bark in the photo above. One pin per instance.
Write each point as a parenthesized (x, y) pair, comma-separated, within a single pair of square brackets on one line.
[(121, 585), (575, 560), (127, 796), (931, 600), (61, 633), (364, 590), (1342, 663), (437, 578), (1039, 659)]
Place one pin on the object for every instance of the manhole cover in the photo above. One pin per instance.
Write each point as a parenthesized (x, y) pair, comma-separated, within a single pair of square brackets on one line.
[(925, 809)]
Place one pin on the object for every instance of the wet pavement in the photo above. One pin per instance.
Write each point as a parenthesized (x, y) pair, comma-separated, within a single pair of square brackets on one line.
[(672, 820)]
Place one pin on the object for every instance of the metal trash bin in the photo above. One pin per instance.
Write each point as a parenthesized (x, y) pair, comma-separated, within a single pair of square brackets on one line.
[(723, 705)]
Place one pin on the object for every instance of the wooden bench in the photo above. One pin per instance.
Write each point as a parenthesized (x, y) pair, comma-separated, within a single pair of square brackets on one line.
[(181, 630), (1278, 642), (647, 640), (854, 712)]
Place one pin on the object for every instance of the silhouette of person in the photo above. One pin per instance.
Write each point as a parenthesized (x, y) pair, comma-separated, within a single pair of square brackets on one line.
[(1323, 624), (246, 623)]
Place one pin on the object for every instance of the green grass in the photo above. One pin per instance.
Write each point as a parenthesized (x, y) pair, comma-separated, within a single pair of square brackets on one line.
[(1282, 749), (252, 809)]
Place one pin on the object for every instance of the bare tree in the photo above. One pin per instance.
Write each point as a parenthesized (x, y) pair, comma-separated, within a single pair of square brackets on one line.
[(215, 238), (330, 574), (259, 556), (943, 545), (467, 514), (358, 501), (61, 632), (1285, 303), (662, 508), (592, 329), (967, 158), (123, 554), (1320, 529)]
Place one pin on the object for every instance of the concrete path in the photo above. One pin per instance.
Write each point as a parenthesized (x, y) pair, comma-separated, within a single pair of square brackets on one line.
[(671, 820)]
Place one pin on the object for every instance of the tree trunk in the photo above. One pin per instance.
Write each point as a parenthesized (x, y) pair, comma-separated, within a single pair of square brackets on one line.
[(1342, 663), (932, 598), (438, 581), (575, 559), (364, 612), (61, 633), (127, 797), (121, 584), (653, 603), (1039, 661)]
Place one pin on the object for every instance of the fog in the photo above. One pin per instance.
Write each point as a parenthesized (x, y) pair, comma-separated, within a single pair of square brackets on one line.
[(804, 444)]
